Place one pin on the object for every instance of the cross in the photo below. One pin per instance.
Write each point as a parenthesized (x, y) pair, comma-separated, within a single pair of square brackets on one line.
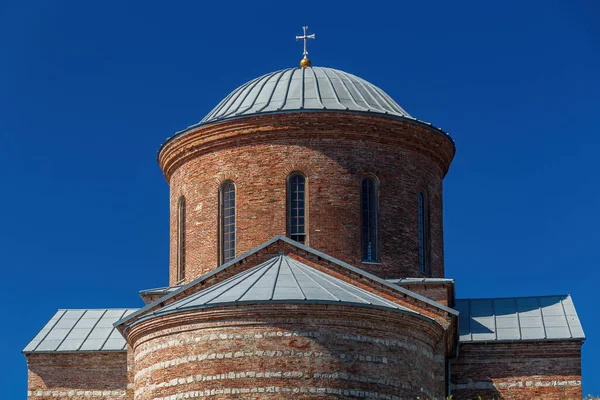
[(304, 37)]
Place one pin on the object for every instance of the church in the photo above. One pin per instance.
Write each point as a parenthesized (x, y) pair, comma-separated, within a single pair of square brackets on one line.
[(307, 261)]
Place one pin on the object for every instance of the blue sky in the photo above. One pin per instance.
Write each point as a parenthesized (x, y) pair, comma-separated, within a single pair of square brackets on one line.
[(89, 90)]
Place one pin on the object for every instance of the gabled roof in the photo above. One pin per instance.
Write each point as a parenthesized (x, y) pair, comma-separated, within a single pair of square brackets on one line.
[(281, 279), (81, 331), (541, 318), (164, 300)]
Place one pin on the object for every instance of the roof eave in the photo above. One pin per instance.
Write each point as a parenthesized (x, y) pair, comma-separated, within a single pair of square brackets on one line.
[(72, 351), (509, 341), (384, 115), (295, 302)]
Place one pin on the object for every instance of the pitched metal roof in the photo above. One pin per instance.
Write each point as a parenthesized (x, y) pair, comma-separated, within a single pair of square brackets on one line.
[(518, 319), (281, 279), (71, 331), (315, 88), (139, 313)]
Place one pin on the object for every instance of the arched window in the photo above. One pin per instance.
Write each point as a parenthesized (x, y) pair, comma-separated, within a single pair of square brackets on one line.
[(296, 193), (423, 207), (227, 221), (181, 238), (370, 219)]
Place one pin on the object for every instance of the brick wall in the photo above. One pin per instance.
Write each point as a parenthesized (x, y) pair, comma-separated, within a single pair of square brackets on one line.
[(77, 376), (334, 151), (537, 370), (443, 293), (130, 369), (279, 351)]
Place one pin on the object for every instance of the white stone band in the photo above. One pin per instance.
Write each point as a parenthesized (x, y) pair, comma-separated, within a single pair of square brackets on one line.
[(107, 394), (269, 353), (514, 384), (284, 391), (277, 374)]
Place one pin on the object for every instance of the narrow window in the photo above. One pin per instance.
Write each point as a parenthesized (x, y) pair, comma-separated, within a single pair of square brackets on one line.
[(227, 212), (370, 219), (181, 238), (297, 207), (423, 232)]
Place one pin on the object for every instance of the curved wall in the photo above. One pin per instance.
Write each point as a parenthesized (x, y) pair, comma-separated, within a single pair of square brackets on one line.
[(314, 351), (334, 151)]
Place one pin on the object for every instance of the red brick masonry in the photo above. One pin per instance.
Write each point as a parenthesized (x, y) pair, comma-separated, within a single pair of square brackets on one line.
[(536, 370), (334, 151), (77, 376)]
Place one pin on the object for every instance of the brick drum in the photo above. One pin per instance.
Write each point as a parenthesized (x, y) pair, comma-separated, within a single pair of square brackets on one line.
[(520, 371), (281, 350), (77, 376), (334, 151)]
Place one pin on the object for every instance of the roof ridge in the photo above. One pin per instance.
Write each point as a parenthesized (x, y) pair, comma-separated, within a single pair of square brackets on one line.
[(324, 288), (161, 301), (312, 279)]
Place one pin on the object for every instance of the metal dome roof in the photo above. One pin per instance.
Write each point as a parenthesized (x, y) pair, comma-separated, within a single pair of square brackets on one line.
[(296, 89)]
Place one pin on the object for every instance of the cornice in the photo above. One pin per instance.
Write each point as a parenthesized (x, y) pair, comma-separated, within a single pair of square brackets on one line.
[(406, 134)]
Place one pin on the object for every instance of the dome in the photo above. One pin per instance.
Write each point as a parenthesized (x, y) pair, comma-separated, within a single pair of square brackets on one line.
[(298, 89)]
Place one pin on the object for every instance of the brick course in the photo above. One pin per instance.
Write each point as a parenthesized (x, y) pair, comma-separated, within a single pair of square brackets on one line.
[(334, 151), (520, 371)]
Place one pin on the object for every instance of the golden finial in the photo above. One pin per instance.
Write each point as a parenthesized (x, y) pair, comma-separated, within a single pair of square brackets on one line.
[(305, 62)]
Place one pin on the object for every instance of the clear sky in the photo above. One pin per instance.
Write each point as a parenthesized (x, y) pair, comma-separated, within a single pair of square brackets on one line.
[(89, 90)]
